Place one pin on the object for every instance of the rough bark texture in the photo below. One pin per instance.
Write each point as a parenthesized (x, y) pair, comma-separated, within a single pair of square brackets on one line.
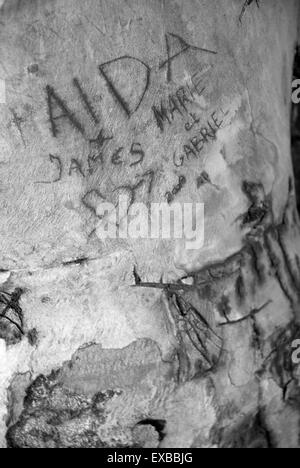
[(296, 130), (161, 100)]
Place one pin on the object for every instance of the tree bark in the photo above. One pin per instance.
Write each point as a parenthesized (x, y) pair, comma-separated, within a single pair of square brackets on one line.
[(146, 342)]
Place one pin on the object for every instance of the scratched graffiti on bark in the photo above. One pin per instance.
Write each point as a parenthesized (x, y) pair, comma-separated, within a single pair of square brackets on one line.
[(129, 82)]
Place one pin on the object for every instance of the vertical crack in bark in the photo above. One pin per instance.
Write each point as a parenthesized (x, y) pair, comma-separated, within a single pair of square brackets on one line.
[(12, 314), (294, 280), (295, 120), (276, 265), (256, 251), (251, 316)]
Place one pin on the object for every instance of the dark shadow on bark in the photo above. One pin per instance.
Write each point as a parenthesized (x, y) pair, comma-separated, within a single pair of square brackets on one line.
[(296, 131)]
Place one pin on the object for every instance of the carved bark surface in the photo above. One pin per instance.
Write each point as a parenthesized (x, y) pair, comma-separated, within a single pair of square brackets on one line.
[(139, 342)]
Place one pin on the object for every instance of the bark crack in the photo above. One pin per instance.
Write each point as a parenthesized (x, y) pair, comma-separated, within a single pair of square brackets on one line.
[(251, 315)]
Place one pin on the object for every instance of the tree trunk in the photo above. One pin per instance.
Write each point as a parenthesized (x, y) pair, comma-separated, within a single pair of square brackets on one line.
[(136, 340)]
